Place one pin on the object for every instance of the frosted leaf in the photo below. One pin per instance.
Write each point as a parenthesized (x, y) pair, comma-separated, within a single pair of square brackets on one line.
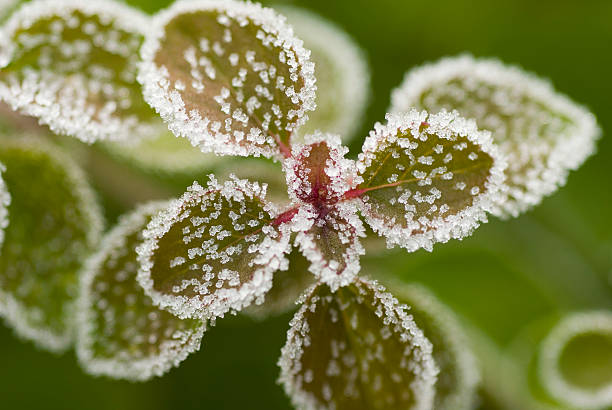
[(428, 178), (121, 334), (332, 245), (575, 360), (228, 75), (543, 133), (6, 8), (5, 201), (162, 152), (73, 65), (343, 75), (54, 223), (317, 173), (356, 349), (459, 373), (287, 287), (212, 251)]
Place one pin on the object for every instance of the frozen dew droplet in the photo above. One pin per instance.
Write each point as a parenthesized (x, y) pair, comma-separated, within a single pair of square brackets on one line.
[(5, 201), (343, 75), (229, 76), (356, 349), (73, 65), (543, 133), (287, 287), (54, 223), (213, 251), (121, 334), (459, 374), (575, 360), (428, 178)]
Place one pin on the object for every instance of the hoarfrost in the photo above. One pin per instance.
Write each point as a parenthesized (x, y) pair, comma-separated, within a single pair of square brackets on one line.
[(543, 134)]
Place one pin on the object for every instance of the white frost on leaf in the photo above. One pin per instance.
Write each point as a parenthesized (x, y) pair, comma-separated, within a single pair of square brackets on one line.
[(332, 245), (543, 133), (343, 75), (356, 349), (213, 251), (236, 83), (428, 178), (552, 377), (5, 201), (73, 65), (121, 334)]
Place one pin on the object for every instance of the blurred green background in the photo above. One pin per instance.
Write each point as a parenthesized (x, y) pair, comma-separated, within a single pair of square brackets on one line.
[(507, 281)]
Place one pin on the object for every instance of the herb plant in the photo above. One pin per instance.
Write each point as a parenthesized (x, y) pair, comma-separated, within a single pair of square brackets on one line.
[(464, 138)]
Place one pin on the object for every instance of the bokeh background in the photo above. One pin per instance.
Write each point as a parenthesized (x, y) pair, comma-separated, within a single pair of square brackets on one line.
[(507, 282)]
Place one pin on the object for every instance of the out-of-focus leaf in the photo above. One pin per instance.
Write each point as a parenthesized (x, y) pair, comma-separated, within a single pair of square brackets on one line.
[(228, 75), (73, 65), (356, 349), (459, 373), (54, 223), (212, 251), (343, 75), (575, 360), (427, 178), (543, 133), (121, 333)]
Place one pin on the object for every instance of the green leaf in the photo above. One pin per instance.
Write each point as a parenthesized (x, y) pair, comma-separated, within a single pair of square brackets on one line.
[(575, 360), (287, 287), (230, 76), (121, 333), (356, 349), (54, 223), (73, 65), (543, 133), (212, 251), (459, 374), (5, 201), (163, 153), (343, 75), (427, 178)]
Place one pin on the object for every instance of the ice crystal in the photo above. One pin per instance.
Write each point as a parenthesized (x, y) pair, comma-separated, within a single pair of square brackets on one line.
[(53, 225), (121, 333), (343, 76), (543, 134), (212, 251), (5, 201), (427, 178), (73, 65), (595, 394), (356, 348), (230, 76)]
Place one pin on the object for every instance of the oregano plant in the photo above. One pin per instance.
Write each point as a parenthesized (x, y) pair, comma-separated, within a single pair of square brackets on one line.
[(464, 138)]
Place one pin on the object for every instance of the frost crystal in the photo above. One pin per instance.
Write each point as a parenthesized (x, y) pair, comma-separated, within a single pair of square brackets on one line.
[(343, 76), (596, 329), (543, 134), (427, 178), (230, 76), (120, 333), (54, 224), (212, 251), (5, 201), (356, 349), (73, 65)]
